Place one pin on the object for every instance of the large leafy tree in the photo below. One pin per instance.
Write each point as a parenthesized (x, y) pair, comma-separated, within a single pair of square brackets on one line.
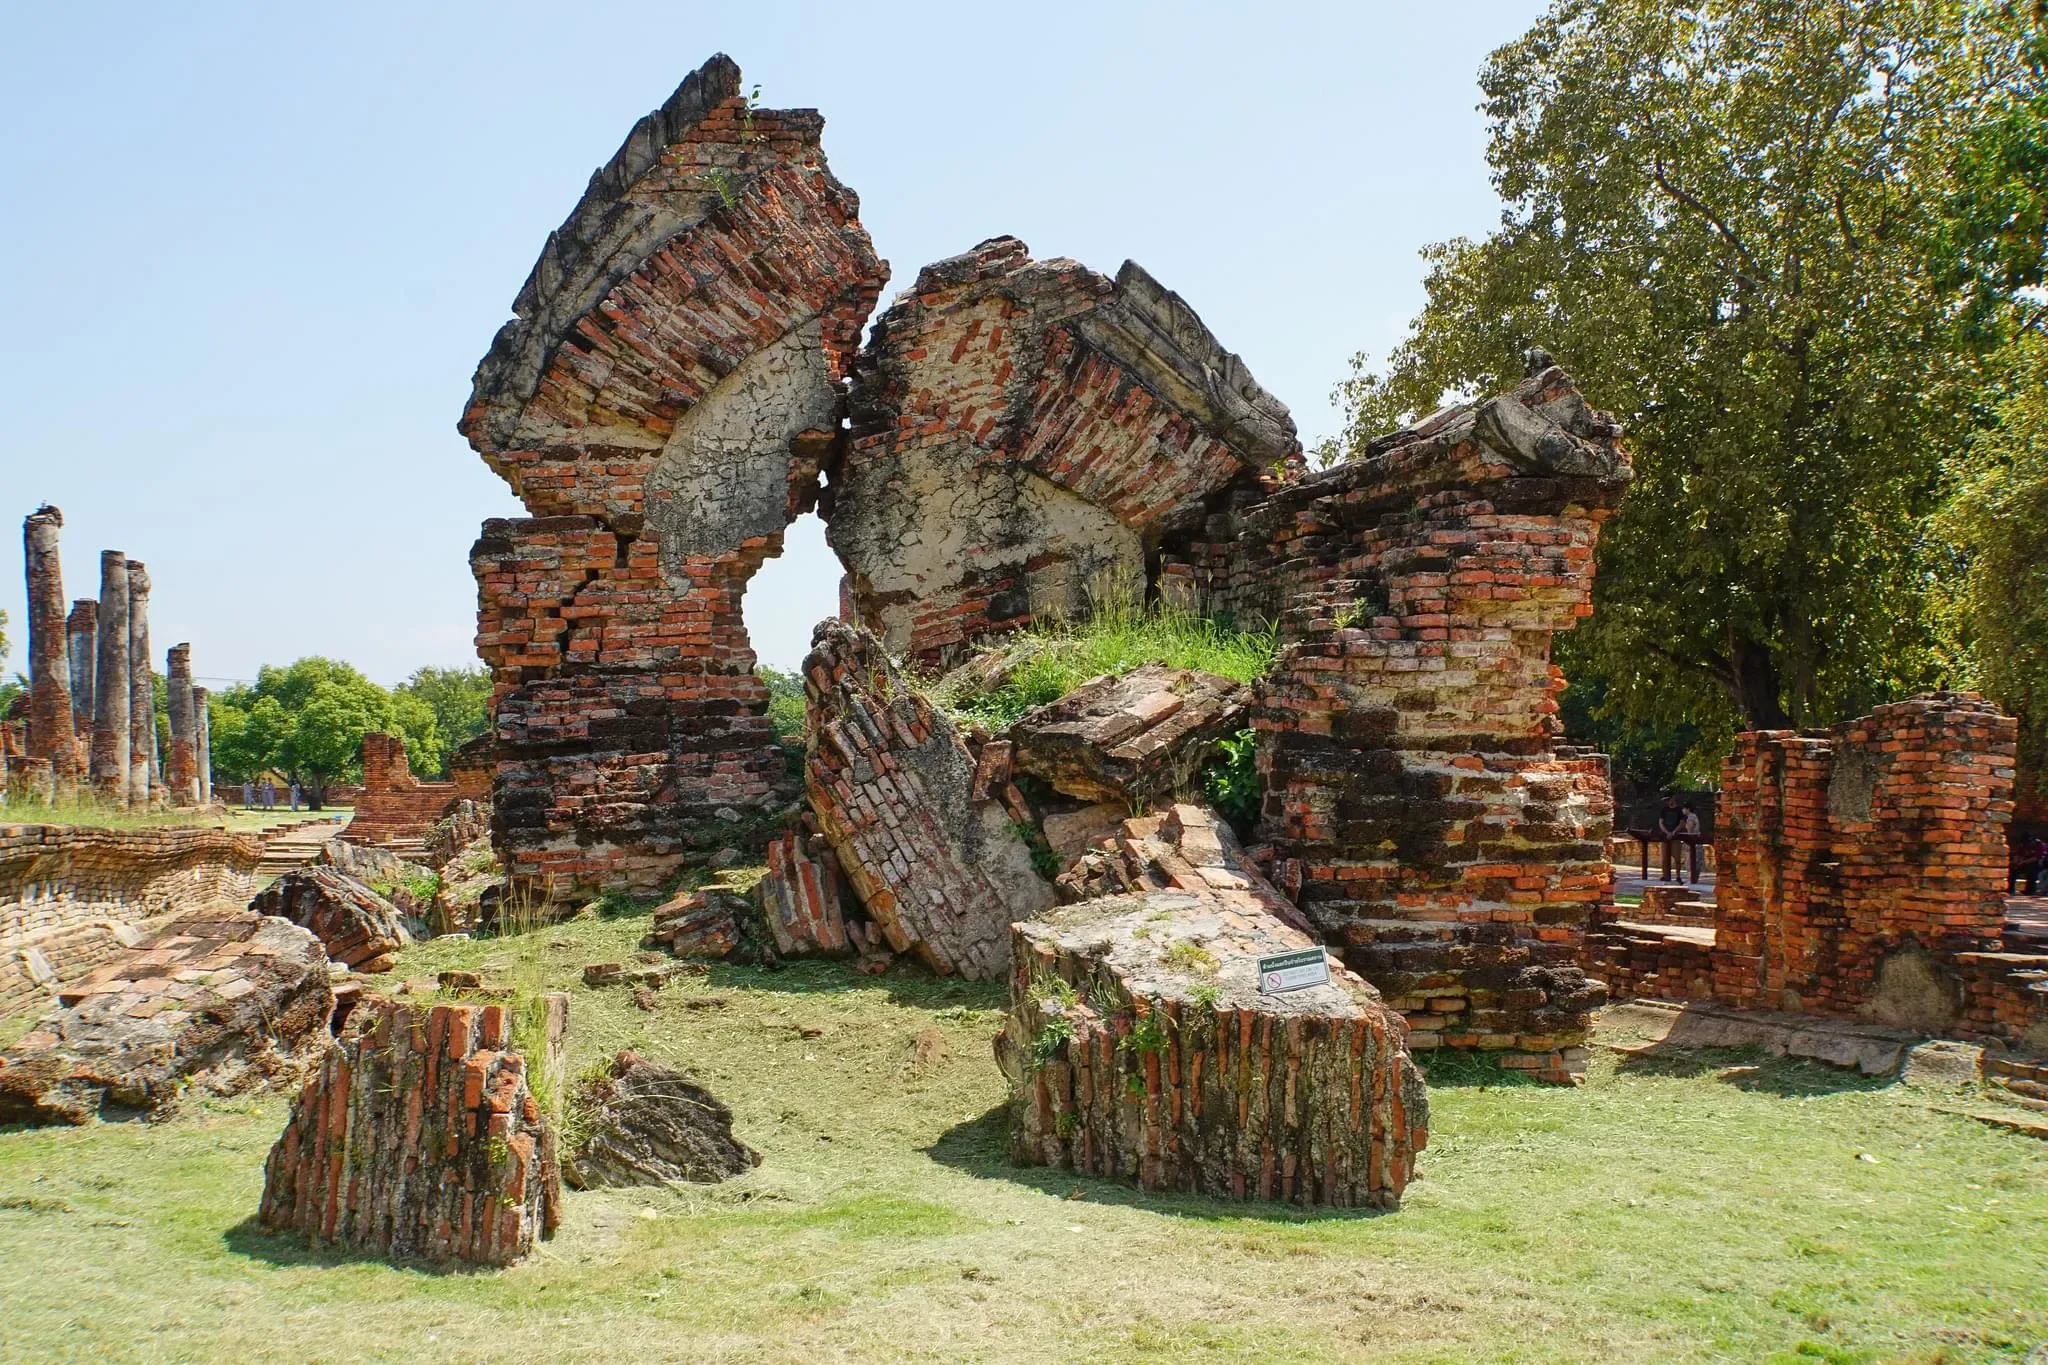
[(1717, 218), (1995, 248), (308, 720), (1997, 523), (454, 703)]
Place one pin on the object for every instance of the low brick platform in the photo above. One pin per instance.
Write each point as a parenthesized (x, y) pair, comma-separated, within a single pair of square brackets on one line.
[(72, 897), (418, 1137), (226, 1001)]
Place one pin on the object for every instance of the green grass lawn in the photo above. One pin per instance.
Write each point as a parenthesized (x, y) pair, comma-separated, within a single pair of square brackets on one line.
[(1700, 1207)]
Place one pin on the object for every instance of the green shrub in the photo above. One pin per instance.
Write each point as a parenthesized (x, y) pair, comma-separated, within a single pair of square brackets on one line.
[(1231, 780), (1061, 656), (785, 704), (1052, 1040), (1044, 861)]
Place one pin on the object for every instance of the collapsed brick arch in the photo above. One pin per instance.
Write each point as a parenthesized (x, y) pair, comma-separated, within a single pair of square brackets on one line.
[(680, 381)]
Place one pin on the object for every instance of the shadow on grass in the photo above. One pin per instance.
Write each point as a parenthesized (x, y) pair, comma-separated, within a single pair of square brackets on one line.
[(980, 1147), (905, 985), (1446, 1068), (1752, 1069), (289, 1250)]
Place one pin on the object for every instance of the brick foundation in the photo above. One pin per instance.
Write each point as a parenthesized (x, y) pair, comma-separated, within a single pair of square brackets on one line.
[(71, 896)]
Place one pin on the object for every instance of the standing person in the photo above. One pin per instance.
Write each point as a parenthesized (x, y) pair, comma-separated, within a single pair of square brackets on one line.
[(248, 796), (269, 795), (295, 796), (1691, 830), (1670, 824), (2029, 861)]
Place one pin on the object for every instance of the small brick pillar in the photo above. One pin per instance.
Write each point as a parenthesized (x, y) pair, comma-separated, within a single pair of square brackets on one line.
[(202, 743), (419, 1137), (111, 695), (50, 732), (82, 629), (144, 773), (184, 765)]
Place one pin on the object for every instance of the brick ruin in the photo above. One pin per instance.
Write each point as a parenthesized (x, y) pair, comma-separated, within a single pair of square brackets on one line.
[(72, 896), (1018, 440), (662, 401), (1861, 875), (1025, 435), (927, 845), (1417, 805), (92, 709), (420, 1136), (220, 999), (393, 806)]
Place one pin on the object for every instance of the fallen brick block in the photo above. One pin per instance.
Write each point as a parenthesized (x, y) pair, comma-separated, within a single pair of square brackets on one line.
[(226, 1001), (1140, 1047), (419, 1137), (892, 787), (358, 928), (1133, 737)]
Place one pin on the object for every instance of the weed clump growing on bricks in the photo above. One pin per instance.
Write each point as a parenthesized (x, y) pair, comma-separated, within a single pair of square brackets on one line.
[(1058, 657)]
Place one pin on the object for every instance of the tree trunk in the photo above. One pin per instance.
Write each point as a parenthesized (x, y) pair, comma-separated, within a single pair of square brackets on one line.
[(1756, 686)]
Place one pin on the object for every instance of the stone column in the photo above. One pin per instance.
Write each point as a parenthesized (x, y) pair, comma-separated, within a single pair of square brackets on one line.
[(83, 629), (143, 773), (50, 733), (202, 744), (183, 776), (110, 681)]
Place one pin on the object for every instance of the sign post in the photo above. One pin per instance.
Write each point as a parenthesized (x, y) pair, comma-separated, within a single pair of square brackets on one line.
[(1295, 971)]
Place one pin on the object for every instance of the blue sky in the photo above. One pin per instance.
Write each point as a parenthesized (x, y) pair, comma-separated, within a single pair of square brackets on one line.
[(252, 253)]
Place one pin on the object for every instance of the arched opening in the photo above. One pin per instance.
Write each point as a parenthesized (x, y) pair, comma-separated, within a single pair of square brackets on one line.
[(790, 594)]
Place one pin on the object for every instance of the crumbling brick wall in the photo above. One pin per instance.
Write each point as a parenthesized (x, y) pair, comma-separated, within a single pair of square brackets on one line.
[(662, 402), (1417, 804), (1837, 848), (1024, 434), (1861, 874), (70, 895), (393, 804)]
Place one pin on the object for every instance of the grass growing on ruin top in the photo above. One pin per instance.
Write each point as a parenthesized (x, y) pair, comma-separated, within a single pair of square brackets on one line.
[(1055, 658), (1700, 1206)]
